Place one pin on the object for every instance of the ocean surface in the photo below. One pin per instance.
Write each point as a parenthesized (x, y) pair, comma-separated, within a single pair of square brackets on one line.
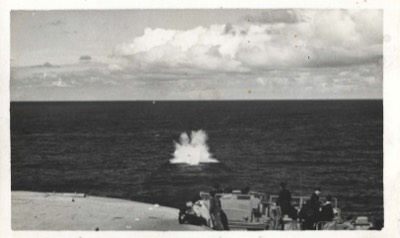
[(123, 149)]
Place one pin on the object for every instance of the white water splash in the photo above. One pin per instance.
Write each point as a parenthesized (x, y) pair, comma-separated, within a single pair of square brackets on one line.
[(192, 150)]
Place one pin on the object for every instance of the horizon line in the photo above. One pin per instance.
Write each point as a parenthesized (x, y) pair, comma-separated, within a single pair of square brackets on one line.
[(205, 100)]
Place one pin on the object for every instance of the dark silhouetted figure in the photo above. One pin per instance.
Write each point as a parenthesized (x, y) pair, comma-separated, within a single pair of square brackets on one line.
[(285, 201), (315, 198), (307, 216), (315, 204), (224, 219), (215, 211), (215, 204), (326, 213)]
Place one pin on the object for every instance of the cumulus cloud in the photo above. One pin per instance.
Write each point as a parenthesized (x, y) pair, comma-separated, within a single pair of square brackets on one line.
[(313, 38), (278, 54), (199, 48)]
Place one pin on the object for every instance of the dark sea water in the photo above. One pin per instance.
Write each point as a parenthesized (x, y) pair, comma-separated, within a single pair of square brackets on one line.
[(122, 149)]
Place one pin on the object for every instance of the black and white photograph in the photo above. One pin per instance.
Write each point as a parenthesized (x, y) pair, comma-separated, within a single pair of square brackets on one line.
[(240, 119)]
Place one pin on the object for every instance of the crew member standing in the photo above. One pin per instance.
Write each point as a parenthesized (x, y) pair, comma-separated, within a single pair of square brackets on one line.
[(285, 201), (215, 211), (315, 199), (326, 213), (315, 204)]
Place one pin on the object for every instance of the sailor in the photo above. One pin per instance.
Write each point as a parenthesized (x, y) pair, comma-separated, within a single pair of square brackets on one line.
[(224, 219), (315, 198), (315, 204), (215, 211), (201, 210), (201, 207), (285, 200), (326, 213), (307, 216), (189, 216)]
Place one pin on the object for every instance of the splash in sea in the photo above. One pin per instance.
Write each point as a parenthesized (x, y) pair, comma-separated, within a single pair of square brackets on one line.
[(192, 150)]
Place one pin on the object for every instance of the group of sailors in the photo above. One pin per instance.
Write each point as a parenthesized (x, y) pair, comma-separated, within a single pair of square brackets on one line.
[(313, 213), (206, 212)]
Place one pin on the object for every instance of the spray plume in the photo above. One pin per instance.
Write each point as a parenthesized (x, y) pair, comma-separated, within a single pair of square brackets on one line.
[(192, 150)]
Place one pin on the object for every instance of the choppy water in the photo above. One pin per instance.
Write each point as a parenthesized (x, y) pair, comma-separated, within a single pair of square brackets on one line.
[(122, 149)]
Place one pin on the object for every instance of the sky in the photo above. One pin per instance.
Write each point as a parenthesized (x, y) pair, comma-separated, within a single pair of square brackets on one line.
[(262, 54)]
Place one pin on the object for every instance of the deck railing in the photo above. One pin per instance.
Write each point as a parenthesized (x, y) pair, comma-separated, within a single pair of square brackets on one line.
[(298, 201)]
